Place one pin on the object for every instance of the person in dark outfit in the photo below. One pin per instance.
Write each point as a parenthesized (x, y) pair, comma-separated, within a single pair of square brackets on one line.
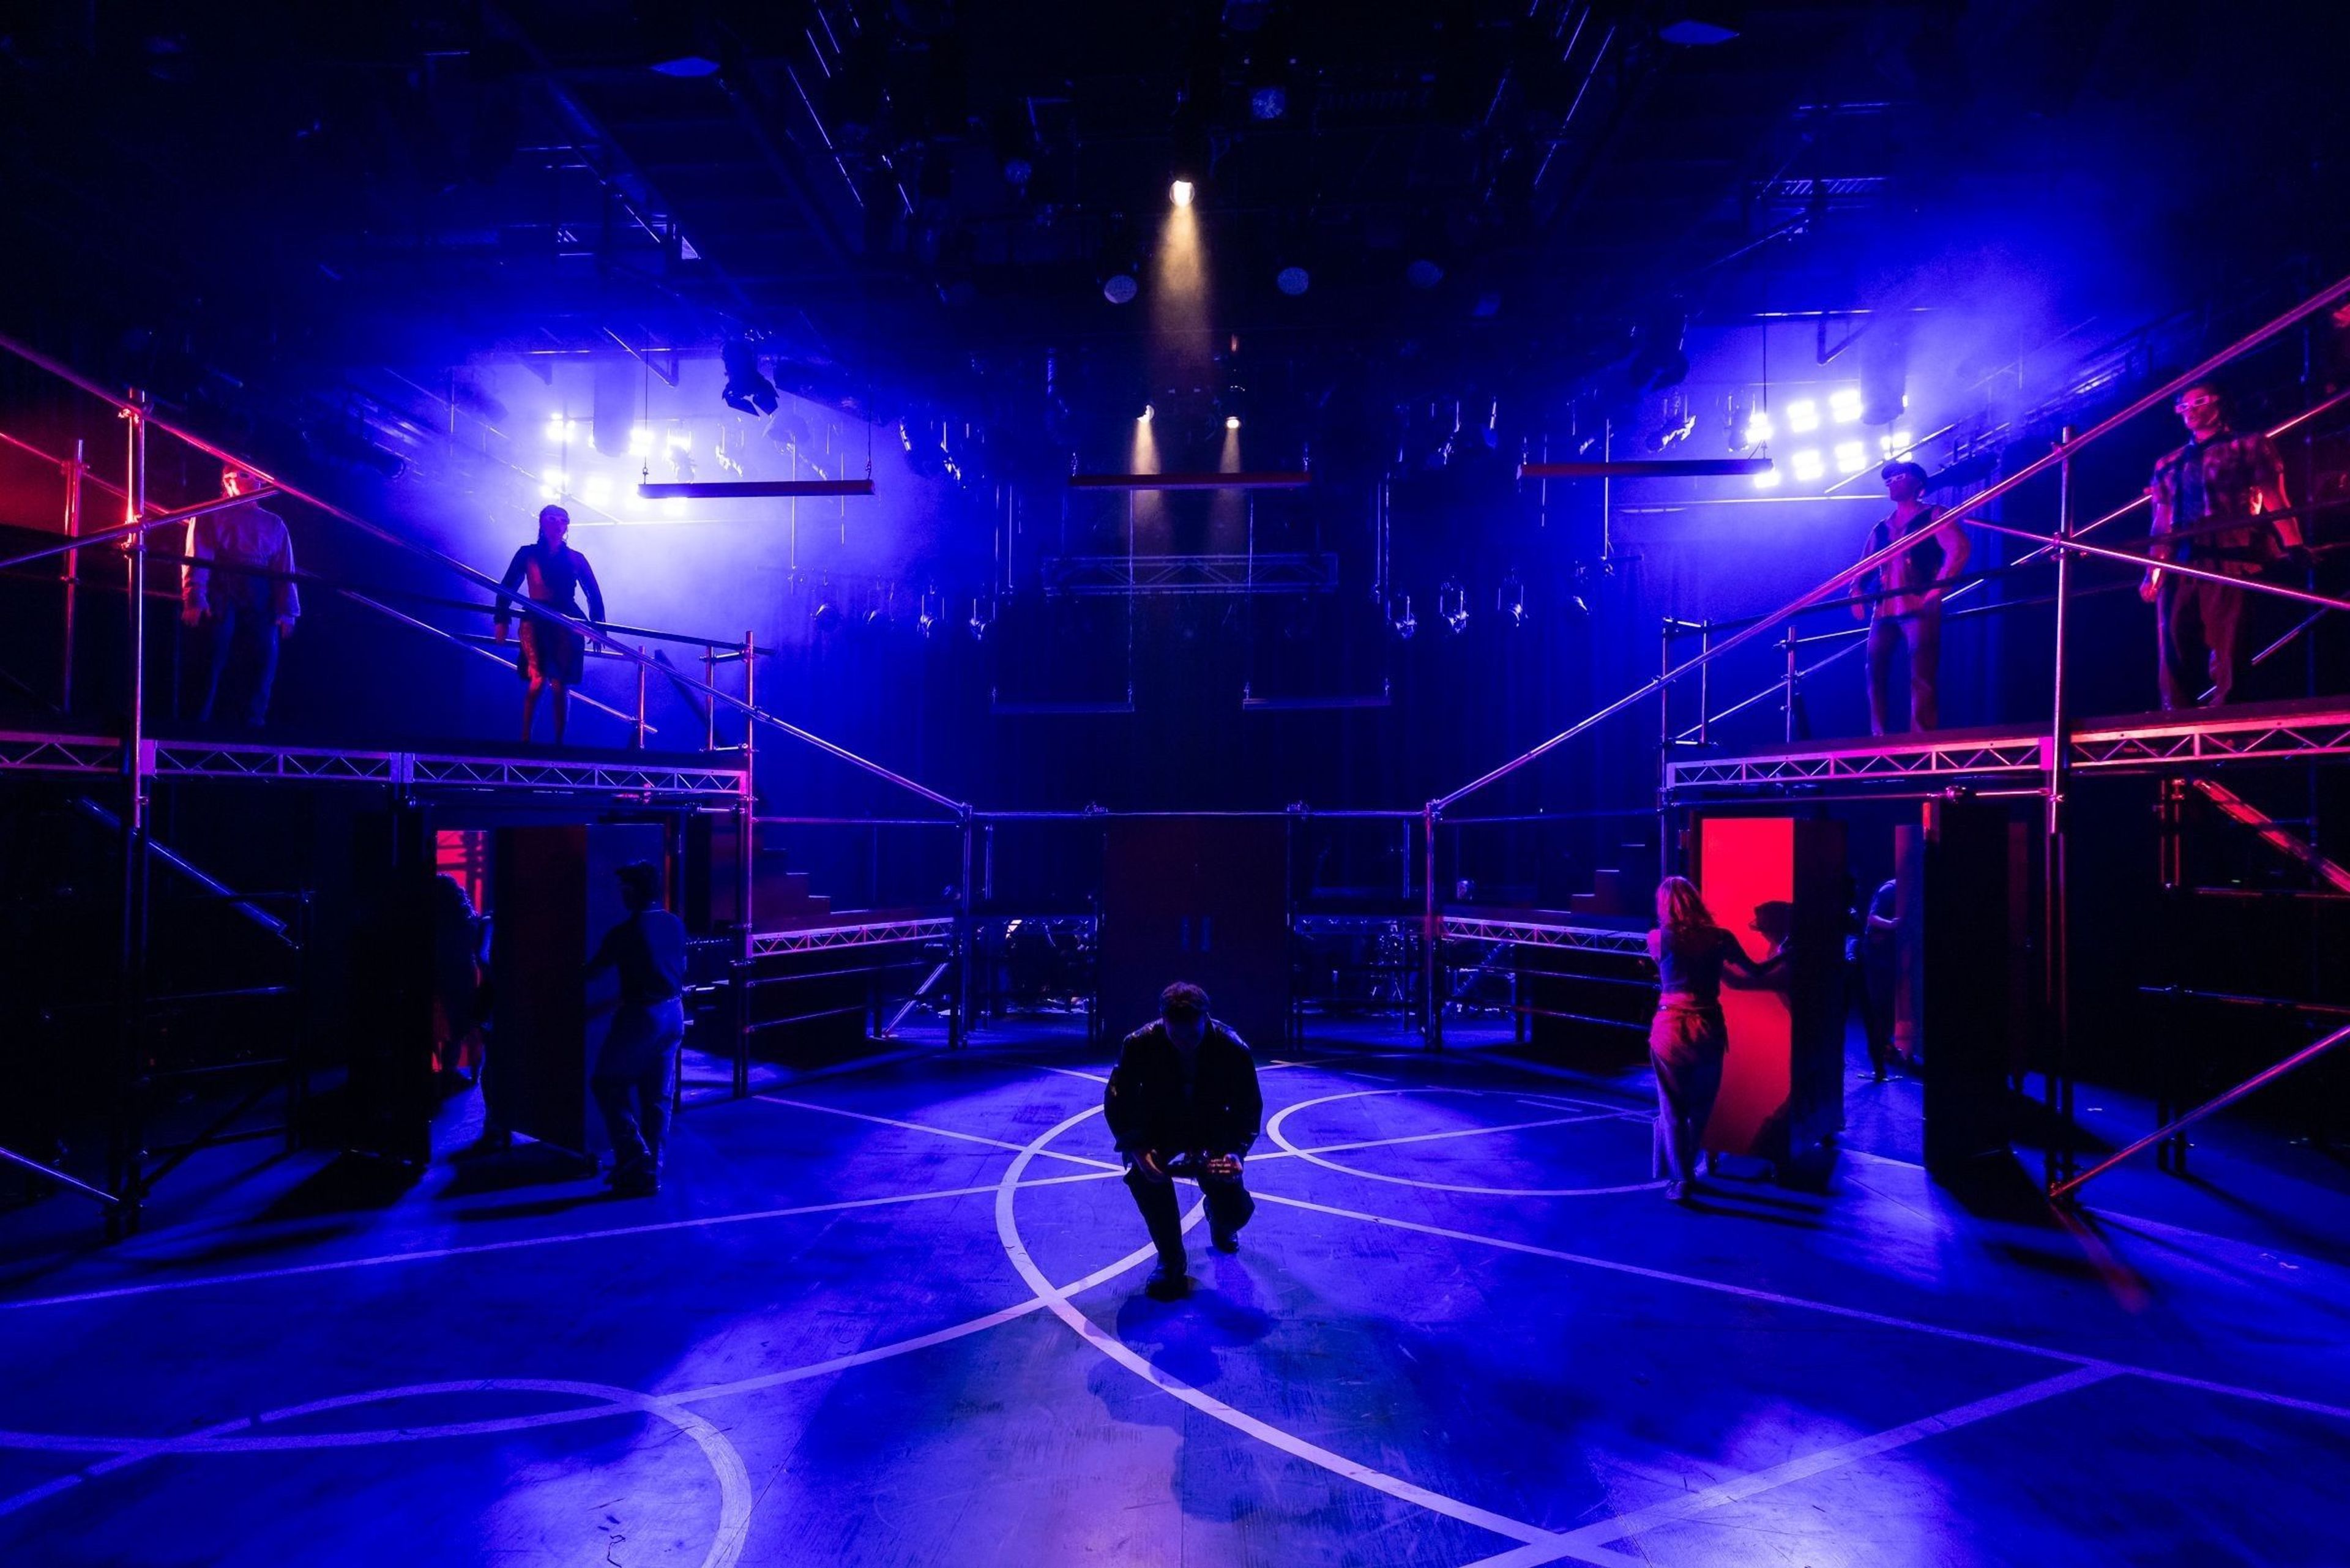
[(1183, 1101), (1880, 969), (218, 584), (2218, 476), (549, 573), (1688, 1039), (1909, 605), (631, 1081)]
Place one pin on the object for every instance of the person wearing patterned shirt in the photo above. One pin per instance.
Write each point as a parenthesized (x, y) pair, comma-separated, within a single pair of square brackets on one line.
[(551, 654), (218, 584), (2219, 476)]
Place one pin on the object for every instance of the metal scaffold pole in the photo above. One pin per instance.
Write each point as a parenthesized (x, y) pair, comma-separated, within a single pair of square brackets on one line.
[(966, 935), (1432, 938), (125, 1157), (2056, 1068)]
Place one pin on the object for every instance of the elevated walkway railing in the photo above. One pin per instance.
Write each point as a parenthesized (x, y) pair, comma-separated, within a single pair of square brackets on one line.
[(2066, 547)]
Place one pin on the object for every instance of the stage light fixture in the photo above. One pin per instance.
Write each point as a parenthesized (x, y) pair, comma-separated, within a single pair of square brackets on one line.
[(1232, 422), (1452, 604), (1119, 287), (1292, 281), (1758, 428), (1423, 274), (641, 441), (1767, 478), (555, 428), (1808, 464), (1144, 417), (983, 616), (748, 391), (1510, 600), (1402, 622), (827, 613), (1181, 192), (673, 508), (1851, 457), (932, 610), (681, 441), (1804, 418), (596, 491), (1894, 445), (554, 479), (1843, 405)]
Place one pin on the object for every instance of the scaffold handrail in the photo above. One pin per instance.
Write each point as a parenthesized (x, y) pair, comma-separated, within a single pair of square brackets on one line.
[(2063, 452), (2031, 558), (480, 579)]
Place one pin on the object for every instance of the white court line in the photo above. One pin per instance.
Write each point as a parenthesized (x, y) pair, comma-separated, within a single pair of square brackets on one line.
[(1273, 1130), (1855, 1315), (1007, 1227), (427, 1254), (1427, 1137), (734, 1494), (1099, 1169), (1740, 1487), (925, 1126)]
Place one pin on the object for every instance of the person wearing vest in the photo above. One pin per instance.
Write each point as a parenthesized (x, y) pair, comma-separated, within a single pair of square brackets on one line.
[(2218, 476), (1183, 1101), (218, 583), (1902, 599)]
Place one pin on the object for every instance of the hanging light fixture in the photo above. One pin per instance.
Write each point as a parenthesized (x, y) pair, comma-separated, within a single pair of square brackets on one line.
[(1510, 599), (1402, 622), (1452, 603)]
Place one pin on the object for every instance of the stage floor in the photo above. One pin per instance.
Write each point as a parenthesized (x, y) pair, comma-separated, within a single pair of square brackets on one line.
[(892, 1314)]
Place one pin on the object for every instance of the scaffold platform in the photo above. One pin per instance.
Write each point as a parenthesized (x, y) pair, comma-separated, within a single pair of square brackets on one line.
[(2299, 731), (717, 777)]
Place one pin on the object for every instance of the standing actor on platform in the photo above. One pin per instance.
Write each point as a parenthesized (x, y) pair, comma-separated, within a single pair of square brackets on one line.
[(1909, 605), (1183, 1101), (2218, 476), (1688, 1039), (648, 951), (224, 549), (549, 573)]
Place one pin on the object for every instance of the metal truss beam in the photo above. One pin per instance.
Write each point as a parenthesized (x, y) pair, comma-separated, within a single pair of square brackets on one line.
[(1540, 934), (876, 933), (35, 753), (1261, 573)]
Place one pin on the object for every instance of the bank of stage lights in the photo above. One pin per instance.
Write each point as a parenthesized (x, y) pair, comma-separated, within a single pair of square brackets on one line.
[(1806, 416), (557, 482)]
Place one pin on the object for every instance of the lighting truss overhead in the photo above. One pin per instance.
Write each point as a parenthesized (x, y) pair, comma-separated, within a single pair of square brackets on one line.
[(1808, 464), (1803, 418), (1181, 192), (1843, 405), (1767, 479), (1851, 457)]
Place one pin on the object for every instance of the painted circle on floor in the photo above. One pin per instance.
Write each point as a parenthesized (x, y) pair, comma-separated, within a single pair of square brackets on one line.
[(1276, 1129)]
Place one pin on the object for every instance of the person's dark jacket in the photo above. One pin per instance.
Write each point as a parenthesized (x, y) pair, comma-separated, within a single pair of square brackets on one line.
[(1145, 1106)]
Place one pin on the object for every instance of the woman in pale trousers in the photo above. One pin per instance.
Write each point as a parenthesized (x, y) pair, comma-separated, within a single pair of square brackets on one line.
[(1688, 1039)]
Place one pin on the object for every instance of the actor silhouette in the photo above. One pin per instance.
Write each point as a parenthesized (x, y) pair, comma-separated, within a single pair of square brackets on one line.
[(1183, 1101)]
